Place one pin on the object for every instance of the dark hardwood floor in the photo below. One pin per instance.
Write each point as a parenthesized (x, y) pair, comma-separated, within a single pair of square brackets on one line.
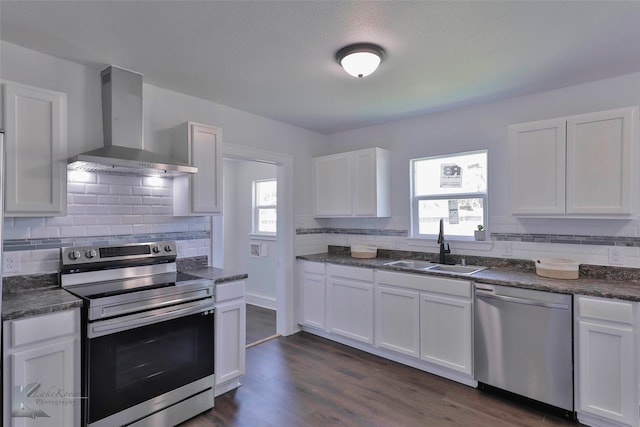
[(304, 380), (261, 323)]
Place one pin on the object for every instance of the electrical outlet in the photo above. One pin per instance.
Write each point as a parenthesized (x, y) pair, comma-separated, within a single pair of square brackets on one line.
[(11, 263), (615, 255)]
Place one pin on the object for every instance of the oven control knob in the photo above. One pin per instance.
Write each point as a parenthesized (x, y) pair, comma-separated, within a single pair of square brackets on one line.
[(90, 253), (155, 249), (74, 255), (168, 248)]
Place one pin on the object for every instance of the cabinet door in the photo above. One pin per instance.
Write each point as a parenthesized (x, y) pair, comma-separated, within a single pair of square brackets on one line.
[(600, 162), (51, 372), (446, 332), (201, 146), (537, 153), (350, 309), (333, 185), (398, 320), (36, 151), (606, 372), (230, 340), (313, 300), (364, 183), (206, 155)]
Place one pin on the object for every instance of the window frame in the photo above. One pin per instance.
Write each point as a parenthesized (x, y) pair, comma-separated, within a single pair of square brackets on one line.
[(257, 207), (415, 200)]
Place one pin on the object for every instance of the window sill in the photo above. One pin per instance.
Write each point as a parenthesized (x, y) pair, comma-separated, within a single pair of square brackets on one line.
[(265, 237), (476, 245)]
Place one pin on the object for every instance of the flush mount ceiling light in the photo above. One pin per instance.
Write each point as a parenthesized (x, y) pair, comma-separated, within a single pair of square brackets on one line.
[(360, 59)]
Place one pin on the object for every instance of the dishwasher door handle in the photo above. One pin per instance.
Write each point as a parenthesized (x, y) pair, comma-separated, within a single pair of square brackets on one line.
[(481, 293)]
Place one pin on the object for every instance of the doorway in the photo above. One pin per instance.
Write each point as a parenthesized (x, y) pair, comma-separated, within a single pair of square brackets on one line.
[(227, 244)]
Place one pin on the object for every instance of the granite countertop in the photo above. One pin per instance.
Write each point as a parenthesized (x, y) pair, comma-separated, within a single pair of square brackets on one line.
[(599, 287), (218, 275), (16, 305), (32, 295)]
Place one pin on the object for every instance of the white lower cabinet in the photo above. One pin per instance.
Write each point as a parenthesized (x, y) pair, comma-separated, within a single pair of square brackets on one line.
[(446, 331), (350, 302), (230, 330), (397, 320), (429, 317), (419, 320), (607, 371), (313, 298), (41, 372)]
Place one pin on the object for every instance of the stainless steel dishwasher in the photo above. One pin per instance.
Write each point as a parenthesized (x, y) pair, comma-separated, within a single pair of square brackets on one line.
[(523, 344)]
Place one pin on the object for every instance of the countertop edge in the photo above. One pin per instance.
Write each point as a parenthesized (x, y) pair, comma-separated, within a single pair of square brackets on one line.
[(623, 290)]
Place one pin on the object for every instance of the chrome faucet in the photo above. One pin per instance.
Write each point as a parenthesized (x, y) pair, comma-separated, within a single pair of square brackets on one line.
[(443, 251)]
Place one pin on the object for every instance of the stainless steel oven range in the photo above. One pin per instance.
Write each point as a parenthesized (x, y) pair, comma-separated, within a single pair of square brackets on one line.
[(148, 343)]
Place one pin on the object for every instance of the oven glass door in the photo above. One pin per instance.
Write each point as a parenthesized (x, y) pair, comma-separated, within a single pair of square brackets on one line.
[(129, 367)]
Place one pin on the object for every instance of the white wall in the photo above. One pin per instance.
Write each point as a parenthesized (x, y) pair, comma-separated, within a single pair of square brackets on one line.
[(163, 109), (485, 126)]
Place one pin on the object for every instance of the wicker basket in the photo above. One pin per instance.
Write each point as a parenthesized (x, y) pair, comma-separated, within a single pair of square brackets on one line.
[(364, 251), (557, 268)]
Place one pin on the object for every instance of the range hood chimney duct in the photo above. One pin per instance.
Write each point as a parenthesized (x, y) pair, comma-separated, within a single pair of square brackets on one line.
[(122, 121)]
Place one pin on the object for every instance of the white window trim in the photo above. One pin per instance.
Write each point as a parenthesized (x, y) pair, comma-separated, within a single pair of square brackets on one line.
[(414, 200), (255, 233)]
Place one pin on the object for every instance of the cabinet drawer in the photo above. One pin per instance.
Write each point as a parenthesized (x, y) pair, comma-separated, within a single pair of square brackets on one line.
[(228, 291), (364, 274), (44, 327), (314, 267), (421, 282), (604, 309)]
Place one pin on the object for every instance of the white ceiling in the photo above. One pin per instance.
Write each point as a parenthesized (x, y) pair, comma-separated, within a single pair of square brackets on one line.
[(276, 58)]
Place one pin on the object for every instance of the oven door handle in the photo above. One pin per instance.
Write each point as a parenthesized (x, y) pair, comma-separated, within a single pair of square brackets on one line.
[(118, 324)]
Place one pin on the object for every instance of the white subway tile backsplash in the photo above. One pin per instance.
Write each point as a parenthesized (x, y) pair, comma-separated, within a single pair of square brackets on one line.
[(161, 210), (109, 200), (121, 229), (71, 231), (45, 232), (75, 210), (141, 210), (104, 206), (142, 228), (76, 188), (162, 192), (119, 179), (141, 191), (94, 189), (130, 200), (98, 230), (120, 189), (58, 220), (84, 199), (131, 219)]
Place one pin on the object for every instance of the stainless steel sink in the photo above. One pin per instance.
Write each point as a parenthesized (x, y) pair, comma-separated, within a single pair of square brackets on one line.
[(411, 264), (417, 264), (466, 270)]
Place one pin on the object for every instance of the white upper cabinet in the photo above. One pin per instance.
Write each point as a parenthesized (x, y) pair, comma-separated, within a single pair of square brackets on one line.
[(200, 146), (537, 160), (600, 159), (576, 166), (35, 123), (353, 184)]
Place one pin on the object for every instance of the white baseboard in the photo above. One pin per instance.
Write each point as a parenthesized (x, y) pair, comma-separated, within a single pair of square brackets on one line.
[(261, 301)]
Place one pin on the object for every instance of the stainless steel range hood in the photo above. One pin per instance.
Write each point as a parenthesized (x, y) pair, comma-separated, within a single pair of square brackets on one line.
[(123, 152)]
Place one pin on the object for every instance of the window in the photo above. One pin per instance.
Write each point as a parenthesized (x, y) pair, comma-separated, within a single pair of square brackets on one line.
[(452, 187), (264, 206)]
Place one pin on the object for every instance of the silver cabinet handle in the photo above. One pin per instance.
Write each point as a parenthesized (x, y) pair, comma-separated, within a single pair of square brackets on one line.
[(481, 293)]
